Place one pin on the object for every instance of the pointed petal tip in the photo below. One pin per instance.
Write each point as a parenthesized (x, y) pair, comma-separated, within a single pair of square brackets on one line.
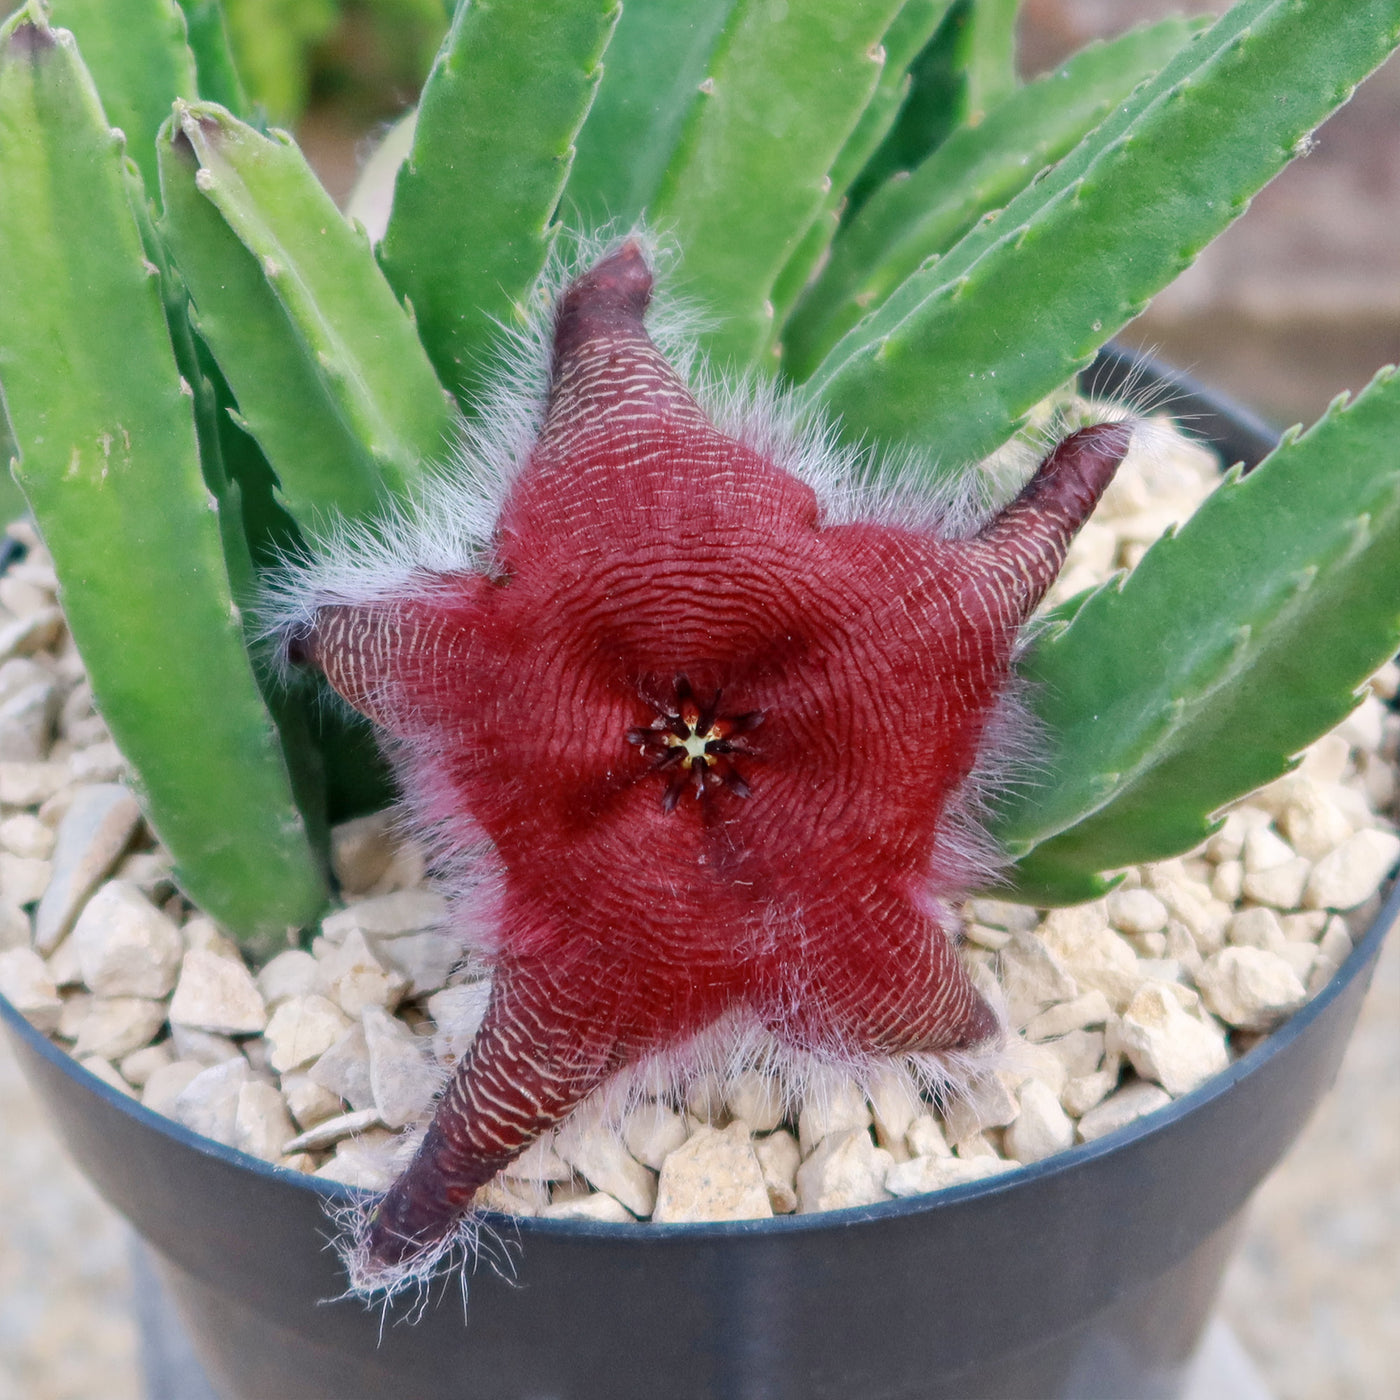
[(614, 292)]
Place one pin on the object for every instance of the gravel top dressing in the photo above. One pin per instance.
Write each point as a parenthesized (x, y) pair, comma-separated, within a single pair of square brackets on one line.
[(320, 1060)]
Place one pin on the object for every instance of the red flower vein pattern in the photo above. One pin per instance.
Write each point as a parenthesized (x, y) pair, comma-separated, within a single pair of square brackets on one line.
[(713, 741)]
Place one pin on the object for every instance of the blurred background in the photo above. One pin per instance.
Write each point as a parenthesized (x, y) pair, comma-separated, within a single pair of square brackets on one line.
[(1297, 301)]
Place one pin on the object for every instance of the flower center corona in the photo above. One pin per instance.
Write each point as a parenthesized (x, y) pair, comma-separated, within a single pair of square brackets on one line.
[(695, 744)]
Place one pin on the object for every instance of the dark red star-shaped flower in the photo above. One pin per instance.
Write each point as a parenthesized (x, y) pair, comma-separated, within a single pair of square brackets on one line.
[(712, 739)]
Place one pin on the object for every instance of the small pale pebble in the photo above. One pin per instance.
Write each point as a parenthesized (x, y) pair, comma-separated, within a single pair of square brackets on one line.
[(108, 1073), (76, 1006), (366, 1162), (1354, 871), (259, 1055), (1323, 971), (344, 1069), (1146, 945), (36, 632), (1136, 911), (97, 828), (98, 763), (1227, 884), (598, 1207), (846, 1170), (539, 1163), (458, 1013), (385, 916), (1378, 782), (1228, 842), (1195, 908), (28, 585), (1090, 1009), (1041, 1128), (208, 1104), (26, 985), (140, 1065), (1181, 947), (833, 1103), (1162, 970), (920, 1175), (1385, 684), (652, 1132), (19, 674), (779, 1157), (166, 1083), (512, 1196), (333, 1130), (262, 1125), (423, 960), (1281, 886), (361, 850), (401, 1074), (713, 1175), (31, 784), (574, 1189), (1305, 926), (1094, 955), (894, 1105), (407, 870), (1131, 1102), (1301, 957), (23, 834), (207, 1047), (150, 871), (1264, 849), (217, 994), (85, 733), (925, 1138), (293, 973), (302, 1029), (115, 1026), (999, 913), (1026, 1061), (1335, 943), (125, 945), (16, 930), (1326, 760), (757, 1099), (27, 723), (309, 1103), (1033, 977), (1168, 1045), (704, 1100), (303, 1162), (592, 1147), (204, 934), (1080, 1052), (353, 978), (993, 939), (988, 1103), (1363, 727), (1250, 988), (1256, 928), (979, 1145), (1312, 822), (1085, 1091)]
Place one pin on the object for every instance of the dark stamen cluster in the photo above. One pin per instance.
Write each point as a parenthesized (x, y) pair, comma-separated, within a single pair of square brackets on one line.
[(695, 743)]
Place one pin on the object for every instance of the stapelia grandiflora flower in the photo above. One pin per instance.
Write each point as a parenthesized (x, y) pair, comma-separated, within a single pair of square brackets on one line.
[(713, 740)]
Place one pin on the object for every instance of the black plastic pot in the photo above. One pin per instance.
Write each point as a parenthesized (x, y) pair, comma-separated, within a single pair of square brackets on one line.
[(1089, 1274)]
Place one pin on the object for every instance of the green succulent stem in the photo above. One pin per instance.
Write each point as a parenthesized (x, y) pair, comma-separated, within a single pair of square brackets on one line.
[(1237, 641), (956, 357), (474, 206), (109, 460)]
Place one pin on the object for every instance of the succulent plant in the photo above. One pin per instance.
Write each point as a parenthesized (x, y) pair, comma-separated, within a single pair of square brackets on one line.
[(208, 372)]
